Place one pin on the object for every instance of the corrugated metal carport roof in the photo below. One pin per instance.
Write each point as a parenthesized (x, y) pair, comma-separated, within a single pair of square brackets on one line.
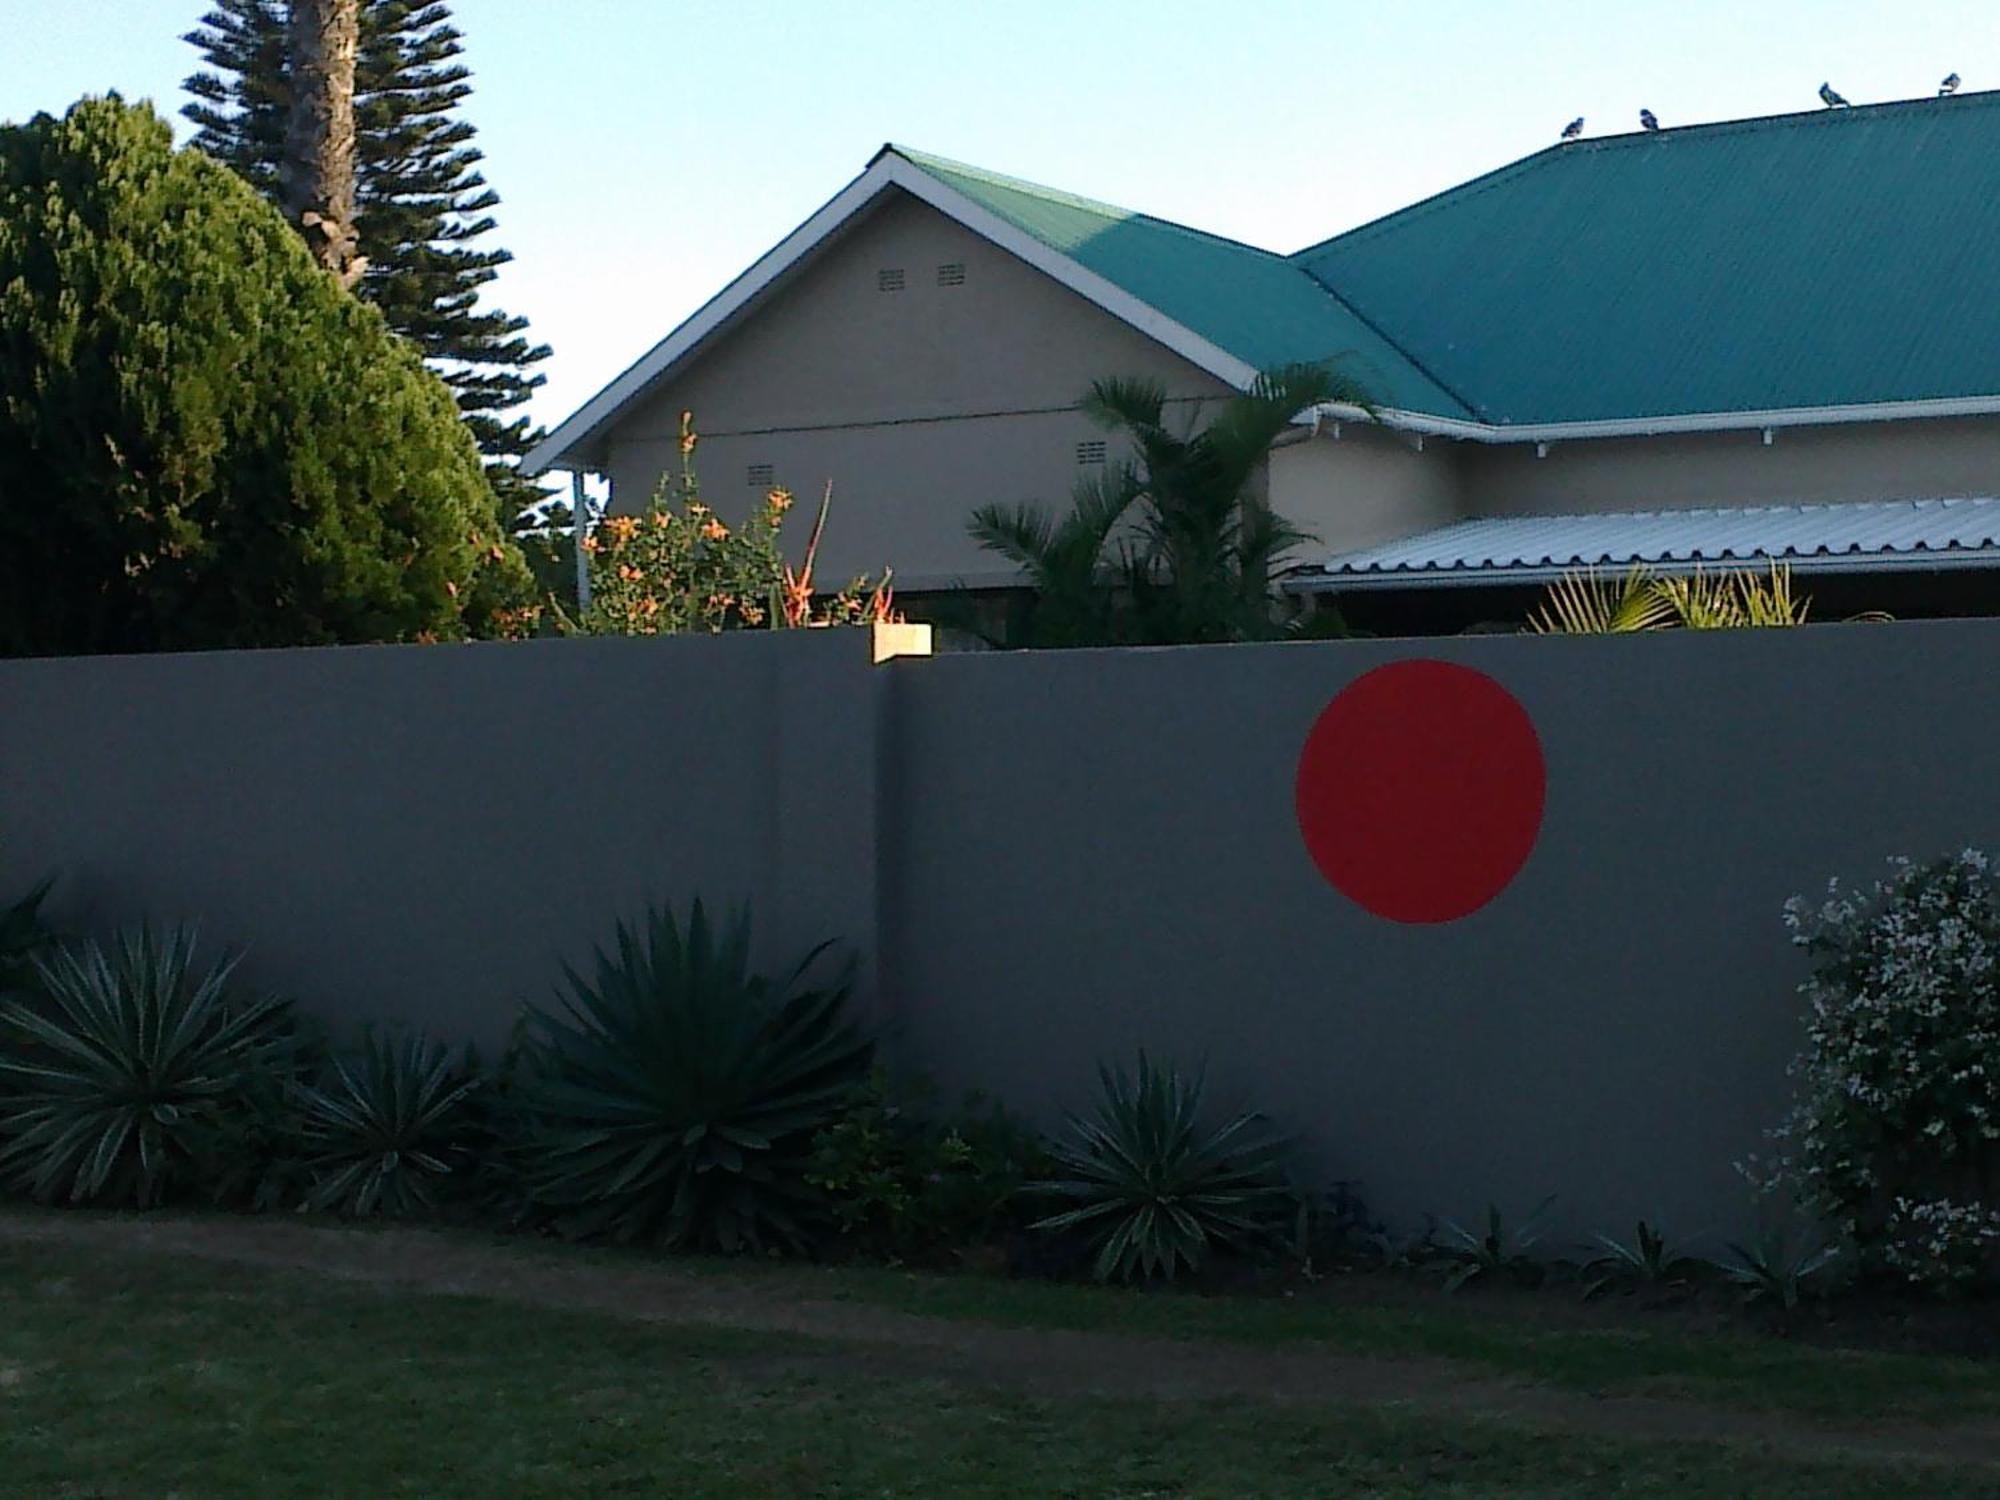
[(1866, 536)]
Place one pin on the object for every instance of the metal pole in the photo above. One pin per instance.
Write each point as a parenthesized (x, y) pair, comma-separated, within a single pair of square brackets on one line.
[(579, 513)]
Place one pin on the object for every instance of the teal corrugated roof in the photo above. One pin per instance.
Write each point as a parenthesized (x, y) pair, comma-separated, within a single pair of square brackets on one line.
[(1840, 257), (1258, 306)]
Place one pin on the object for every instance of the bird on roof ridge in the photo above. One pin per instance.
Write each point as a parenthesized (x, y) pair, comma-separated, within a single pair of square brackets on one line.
[(1829, 98), (1574, 129), (1949, 86), (1648, 120)]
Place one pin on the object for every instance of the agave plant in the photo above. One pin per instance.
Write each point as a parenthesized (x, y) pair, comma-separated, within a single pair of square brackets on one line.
[(1496, 1250), (385, 1128), (675, 1095), (1780, 1266), (124, 1063), (1155, 1191), (1648, 1263)]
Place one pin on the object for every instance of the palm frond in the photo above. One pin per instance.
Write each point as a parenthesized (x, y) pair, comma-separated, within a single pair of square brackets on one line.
[(1265, 542), (1587, 603), (1735, 600), (1770, 600), (1132, 403), (1246, 427), (1098, 506), (1019, 533), (1701, 601)]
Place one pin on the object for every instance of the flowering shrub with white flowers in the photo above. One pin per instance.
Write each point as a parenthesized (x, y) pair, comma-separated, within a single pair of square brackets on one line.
[(1896, 1133)]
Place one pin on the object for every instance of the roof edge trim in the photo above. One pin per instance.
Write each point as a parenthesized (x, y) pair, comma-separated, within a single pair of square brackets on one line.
[(1667, 426)]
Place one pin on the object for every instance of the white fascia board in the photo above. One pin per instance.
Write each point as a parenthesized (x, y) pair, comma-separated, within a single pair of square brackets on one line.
[(1086, 283), (558, 449), (1723, 421)]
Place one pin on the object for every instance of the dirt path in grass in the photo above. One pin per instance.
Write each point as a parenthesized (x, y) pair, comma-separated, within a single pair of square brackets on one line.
[(1039, 1361)]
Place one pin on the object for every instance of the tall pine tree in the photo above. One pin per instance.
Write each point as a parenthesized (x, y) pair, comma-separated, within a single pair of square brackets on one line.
[(422, 202)]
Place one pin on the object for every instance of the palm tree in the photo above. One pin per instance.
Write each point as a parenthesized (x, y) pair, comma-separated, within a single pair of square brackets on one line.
[(1074, 567), (1176, 547)]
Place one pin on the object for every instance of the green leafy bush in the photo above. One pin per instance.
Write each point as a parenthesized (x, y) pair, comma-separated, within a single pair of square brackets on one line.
[(1156, 1191), (904, 1180), (386, 1128), (126, 1064), (675, 1095), (1895, 1138), (204, 441)]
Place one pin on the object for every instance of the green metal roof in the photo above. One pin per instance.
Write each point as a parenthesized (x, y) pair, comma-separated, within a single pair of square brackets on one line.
[(1257, 306), (1840, 257), (1836, 258)]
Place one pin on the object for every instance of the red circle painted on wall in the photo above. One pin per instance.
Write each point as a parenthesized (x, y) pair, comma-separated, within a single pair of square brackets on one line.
[(1420, 790)]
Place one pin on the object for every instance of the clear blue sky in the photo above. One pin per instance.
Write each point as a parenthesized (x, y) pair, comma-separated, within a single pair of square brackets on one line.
[(648, 150)]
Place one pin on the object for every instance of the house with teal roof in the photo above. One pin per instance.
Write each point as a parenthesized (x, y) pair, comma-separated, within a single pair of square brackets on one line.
[(1773, 338)]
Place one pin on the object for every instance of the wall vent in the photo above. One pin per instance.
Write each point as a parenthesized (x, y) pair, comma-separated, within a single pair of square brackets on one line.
[(1091, 452), (952, 273), (889, 279), (762, 476)]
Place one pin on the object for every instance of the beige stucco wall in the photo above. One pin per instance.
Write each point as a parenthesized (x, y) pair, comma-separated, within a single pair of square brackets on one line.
[(919, 405), (1364, 487), (1802, 465)]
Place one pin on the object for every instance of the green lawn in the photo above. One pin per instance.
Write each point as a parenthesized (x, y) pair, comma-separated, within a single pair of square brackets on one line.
[(124, 1374), (1615, 1354)]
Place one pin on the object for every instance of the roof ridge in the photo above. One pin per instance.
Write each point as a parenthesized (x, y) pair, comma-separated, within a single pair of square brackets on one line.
[(1793, 118), (925, 160), (1564, 150)]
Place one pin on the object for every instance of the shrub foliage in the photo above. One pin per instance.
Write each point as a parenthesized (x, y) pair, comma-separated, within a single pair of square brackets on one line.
[(1896, 1134), (905, 1180), (679, 568), (204, 441)]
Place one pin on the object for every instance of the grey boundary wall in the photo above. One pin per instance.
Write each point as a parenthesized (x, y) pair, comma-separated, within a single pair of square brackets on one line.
[(1045, 859)]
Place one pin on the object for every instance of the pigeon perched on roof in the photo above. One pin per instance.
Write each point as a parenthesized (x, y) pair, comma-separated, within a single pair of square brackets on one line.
[(1829, 98), (1949, 86), (1648, 120), (1574, 129)]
